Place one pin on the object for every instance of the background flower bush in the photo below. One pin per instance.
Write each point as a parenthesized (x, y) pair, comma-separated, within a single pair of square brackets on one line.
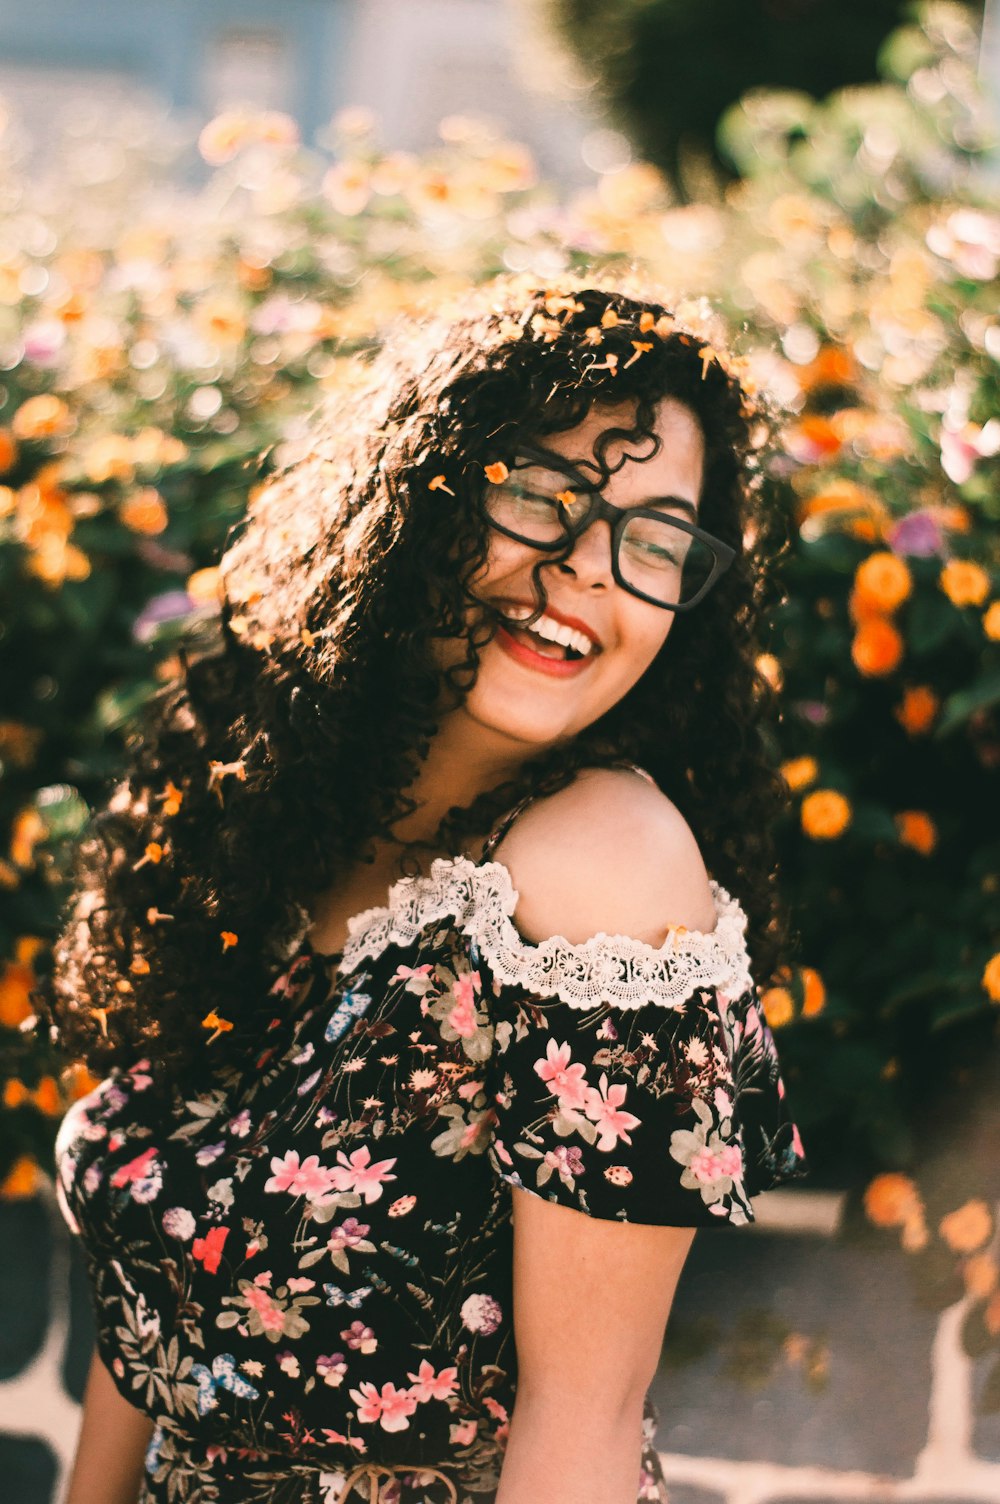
[(157, 343)]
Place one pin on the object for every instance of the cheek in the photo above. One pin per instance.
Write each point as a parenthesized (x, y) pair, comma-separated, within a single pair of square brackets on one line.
[(643, 635)]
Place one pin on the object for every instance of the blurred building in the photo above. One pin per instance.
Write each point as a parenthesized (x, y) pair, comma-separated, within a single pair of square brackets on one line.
[(410, 61)]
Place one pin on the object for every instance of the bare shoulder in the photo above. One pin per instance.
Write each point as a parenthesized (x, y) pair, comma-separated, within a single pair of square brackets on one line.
[(609, 853)]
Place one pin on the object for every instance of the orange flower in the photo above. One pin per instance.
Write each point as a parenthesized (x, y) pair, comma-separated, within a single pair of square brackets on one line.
[(42, 417), (172, 798), (891, 1199), (153, 853), (640, 347), (991, 621), (609, 319), (799, 771), (14, 1093), (78, 1081), (27, 831), (813, 438), (968, 1228), (46, 1097), (778, 1006), (8, 451), (884, 580), (706, 355), (109, 457), (917, 830), (566, 498), (917, 712), (438, 484), (964, 583), (144, 511), (139, 967), (647, 321), (833, 366), (825, 814), (991, 978), (213, 1021), (16, 982), (229, 939), (980, 1274), (877, 647), (915, 1236), (24, 1179), (496, 474), (814, 993), (204, 586)]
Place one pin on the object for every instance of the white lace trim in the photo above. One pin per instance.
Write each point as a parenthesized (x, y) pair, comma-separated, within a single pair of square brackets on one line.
[(614, 969)]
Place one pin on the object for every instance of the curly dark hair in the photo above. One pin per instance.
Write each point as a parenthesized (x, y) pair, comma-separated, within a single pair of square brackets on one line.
[(284, 747)]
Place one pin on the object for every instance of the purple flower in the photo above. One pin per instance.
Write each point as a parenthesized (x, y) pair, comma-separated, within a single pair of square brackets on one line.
[(166, 607), (918, 533)]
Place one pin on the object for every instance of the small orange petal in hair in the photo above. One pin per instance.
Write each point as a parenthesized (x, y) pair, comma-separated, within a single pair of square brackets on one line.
[(139, 967), (594, 335), (438, 484), (640, 347), (229, 939), (497, 473), (101, 1014), (307, 638), (154, 853), (154, 915), (706, 355), (609, 318), (647, 321), (213, 1021), (566, 498), (172, 798)]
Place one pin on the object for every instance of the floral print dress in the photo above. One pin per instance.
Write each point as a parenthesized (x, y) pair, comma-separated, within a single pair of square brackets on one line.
[(304, 1274)]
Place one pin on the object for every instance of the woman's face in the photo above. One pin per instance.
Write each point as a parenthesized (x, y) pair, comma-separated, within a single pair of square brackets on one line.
[(527, 690)]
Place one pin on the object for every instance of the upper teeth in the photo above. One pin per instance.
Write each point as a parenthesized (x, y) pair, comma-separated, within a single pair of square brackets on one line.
[(553, 631)]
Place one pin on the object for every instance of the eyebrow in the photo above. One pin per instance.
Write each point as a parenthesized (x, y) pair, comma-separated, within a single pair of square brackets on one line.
[(569, 467)]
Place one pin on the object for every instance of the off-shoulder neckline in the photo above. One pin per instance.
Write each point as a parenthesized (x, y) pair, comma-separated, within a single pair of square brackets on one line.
[(481, 897)]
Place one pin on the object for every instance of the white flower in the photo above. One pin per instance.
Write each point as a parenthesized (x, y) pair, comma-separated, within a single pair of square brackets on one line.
[(178, 1223), (481, 1313)]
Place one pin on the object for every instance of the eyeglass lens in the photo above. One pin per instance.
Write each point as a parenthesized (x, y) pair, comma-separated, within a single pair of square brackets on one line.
[(655, 557)]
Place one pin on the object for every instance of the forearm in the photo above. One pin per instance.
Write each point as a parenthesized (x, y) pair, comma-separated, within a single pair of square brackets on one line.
[(571, 1452), (112, 1444)]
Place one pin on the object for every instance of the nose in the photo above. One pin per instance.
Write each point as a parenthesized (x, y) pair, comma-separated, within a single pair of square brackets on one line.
[(590, 561)]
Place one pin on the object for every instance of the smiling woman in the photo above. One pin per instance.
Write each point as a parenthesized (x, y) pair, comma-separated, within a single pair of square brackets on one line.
[(427, 1031)]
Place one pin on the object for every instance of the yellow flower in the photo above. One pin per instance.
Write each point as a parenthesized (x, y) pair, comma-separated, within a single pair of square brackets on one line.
[(877, 647), (27, 831), (825, 814), (778, 1006), (799, 771), (917, 712), (23, 1179), (814, 993), (172, 798), (967, 1228), (144, 511), (991, 978), (991, 621), (884, 580), (204, 586), (964, 583), (917, 830), (891, 1199)]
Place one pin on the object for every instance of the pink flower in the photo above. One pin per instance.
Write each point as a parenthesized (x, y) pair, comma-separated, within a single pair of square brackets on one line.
[(604, 1107), (349, 1233), (300, 1283), (428, 1385), (357, 1173), (309, 1179), (565, 1081), (462, 1017), (360, 1337), (136, 1169), (463, 1433), (331, 1369), (271, 1318), (391, 1407), (209, 1248)]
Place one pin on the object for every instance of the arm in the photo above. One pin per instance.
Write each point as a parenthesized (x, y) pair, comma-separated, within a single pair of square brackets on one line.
[(112, 1444), (591, 1295)]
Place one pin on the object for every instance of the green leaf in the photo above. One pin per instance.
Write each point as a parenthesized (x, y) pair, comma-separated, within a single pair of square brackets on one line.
[(958, 707)]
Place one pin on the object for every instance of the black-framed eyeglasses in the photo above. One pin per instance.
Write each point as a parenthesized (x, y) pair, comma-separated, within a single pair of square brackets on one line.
[(655, 555)]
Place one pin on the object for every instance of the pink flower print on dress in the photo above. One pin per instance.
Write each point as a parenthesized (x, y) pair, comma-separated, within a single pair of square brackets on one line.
[(391, 1407), (565, 1081), (136, 1169), (309, 1179), (462, 1016), (463, 1433), (481, 1313), (428, 1385), (604, 1107), (331, 1369), (357, 1173), (360, 1337)]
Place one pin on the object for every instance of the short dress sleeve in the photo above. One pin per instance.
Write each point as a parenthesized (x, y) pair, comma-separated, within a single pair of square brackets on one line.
[(631, 1082)]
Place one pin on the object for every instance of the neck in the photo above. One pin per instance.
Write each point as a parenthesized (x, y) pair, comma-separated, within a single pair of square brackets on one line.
[(463, 760)]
